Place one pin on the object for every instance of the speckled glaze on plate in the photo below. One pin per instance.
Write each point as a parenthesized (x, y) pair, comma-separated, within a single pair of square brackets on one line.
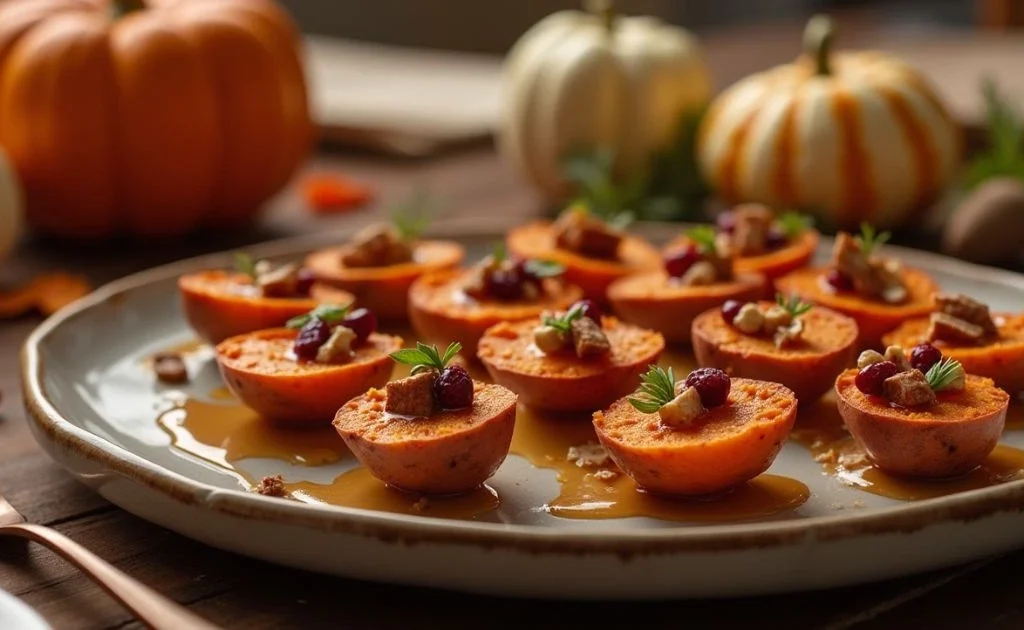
[(92, 405)]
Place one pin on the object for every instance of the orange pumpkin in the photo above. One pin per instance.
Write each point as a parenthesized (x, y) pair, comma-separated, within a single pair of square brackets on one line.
[(124, 117)]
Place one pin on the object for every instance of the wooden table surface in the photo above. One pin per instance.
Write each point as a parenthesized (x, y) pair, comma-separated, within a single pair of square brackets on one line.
[(238, 592)]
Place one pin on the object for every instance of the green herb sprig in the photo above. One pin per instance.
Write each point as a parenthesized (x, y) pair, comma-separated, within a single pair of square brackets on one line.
[(1004, 153), (412, 215), (245, 264), (793, 224), (870, 240), (424, 358), (793, 304), (703, 236), (596, 189), (328, 313), (543, 268), (944, 373), (657, 389), (563, 322), (498, 253)]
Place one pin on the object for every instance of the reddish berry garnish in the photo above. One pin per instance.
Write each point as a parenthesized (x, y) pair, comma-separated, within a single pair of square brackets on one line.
[(870, 379), (453, 388), (362, 322), (679, 260), (304, 281), (730, 310), (310, 337), (776, 239), (726, 222), (924, 356), (712, 384), (505, 283), (590, 309), (839, 280)]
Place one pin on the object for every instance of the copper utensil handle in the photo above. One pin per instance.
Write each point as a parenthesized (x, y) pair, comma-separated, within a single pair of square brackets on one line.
[(150, 607)]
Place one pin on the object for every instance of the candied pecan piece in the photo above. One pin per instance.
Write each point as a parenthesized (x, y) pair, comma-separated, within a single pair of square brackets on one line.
[(170, 367), (682, 410), (871, 276), (945, 327), (280, 282), (750, 234), (909, 389), (376, 245), (588, 338), (411, 396), (967, 309), (272, 486), (576, 230)]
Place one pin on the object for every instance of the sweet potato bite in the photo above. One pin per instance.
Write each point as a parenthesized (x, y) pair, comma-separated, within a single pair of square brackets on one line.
[(786, 341), (577, 360), (593, 252), (303, 373), (380, 263), (223, 303), (963, 329), (696, 276), (700, 436), (878, 292), (436, 432), (923, 415), (765, 243), (463, 303)]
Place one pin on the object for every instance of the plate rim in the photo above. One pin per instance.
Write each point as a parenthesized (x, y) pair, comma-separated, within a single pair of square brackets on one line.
[(623, 541)]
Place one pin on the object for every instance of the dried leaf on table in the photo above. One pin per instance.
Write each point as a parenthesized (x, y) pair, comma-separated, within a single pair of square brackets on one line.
[(47, 293), (327, 193)]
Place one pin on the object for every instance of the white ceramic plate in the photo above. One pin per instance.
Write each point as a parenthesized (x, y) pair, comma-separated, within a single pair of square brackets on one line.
[(93, 407), (17, 615)]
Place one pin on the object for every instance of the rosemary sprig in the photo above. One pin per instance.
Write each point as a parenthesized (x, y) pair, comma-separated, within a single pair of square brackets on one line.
[(870, 240), (793, 305), (944, 373), (543, 268), (563, 322), (1004, 151), (412, 215), (246, 264), (498, 253), (703, 236), (328, 313), (657, 389), (793, 224), (424, 358), (596, 189)]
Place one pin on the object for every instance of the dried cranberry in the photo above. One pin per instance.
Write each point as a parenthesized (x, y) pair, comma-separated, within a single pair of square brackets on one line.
[(775, 239), (712, 384), (505, 283), (726, 222), (679, 260), (314, 334), (304, 279), (870, 379), (590, 309), (362, 322), (839, 280), (731, 309), (924, 356), (453, 388)]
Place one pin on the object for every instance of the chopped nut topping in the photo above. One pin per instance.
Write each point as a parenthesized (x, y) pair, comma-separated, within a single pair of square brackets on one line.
[(170, 368), (752, 223), (411, 396), (789, 333), (967, 310), (683, 410), (701, 273), (272, 486), (588, 338), (896, 355), (588, 455), (869, 357), (280, 282), (578, 231), (338, 347), (776, 317), (944, 327), (549, 339), (750, 319), (871, 275), (909, 389), (377, 245)]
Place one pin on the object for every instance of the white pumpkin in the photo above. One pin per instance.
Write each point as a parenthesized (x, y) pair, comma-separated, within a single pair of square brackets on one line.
[(10, 207), (850, 136), (592, 80)]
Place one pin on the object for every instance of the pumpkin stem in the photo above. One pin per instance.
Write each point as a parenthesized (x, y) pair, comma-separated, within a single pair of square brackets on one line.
[(818, 37), (121, 8), (605, 9)]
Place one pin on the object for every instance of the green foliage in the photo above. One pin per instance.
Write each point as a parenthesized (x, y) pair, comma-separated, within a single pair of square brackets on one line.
[(1004, 155), (412, 215), (423, 358), (563, 322), (246, 264), (328, 313), (793, 305), (870, 239), (944, 373), (657, 389), (793, 224)]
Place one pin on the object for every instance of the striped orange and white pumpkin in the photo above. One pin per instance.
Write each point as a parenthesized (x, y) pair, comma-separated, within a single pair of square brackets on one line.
[(849, 136)]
